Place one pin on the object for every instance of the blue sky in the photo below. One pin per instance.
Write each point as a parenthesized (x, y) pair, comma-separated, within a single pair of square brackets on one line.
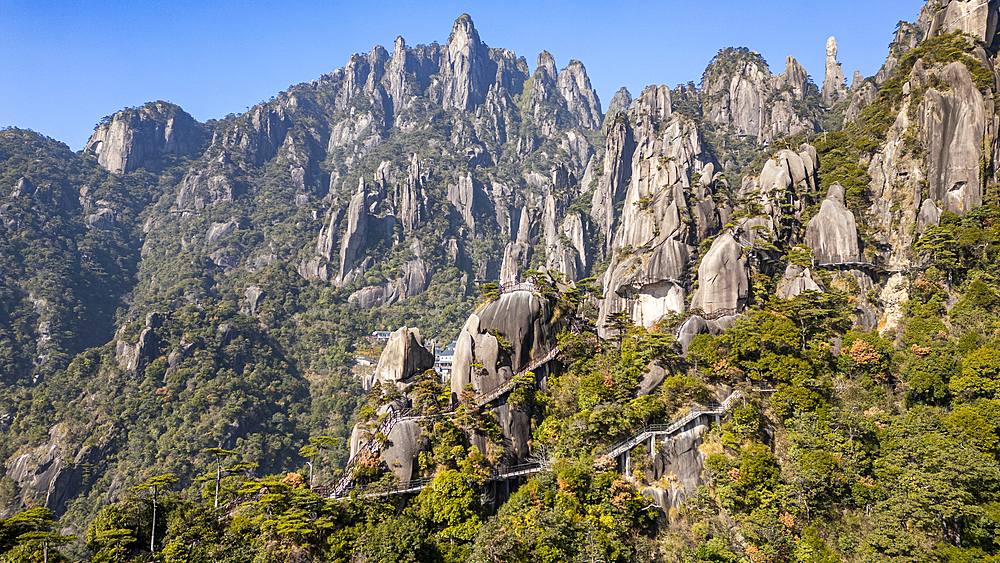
[(65, 64)]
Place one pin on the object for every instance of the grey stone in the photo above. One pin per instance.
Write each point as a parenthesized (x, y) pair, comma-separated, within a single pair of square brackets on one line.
[(403, 357), (953, 124), (834, 85), (930, 214), (722, 276), (356, 236), (795, 280), (133, 138), (832, 234)]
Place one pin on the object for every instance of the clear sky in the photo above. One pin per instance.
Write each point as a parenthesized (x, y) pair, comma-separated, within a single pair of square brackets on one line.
[(64, 64)]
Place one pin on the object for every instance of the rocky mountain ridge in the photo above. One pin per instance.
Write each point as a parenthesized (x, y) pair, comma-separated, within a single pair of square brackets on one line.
[(388, 192)]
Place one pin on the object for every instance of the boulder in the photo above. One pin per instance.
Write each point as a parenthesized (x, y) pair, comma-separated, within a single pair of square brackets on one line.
[(795, 280), (402, 448), (219, 230), (24, 187), (696, 325), (722, 276), (103, 220), (930, 214), (403, 357), (832, 234), (252, 297)]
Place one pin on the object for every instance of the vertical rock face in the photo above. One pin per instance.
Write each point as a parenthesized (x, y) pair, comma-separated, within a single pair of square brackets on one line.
[(581, 99), (619, 149), (722, 276), (356, 234), (523, 320), (736, 87), (679, 458), (619, 103), (952, 122), (834, 85), (976, 17), (832, 234), (412, 205), (469, 200), (864, 95), (930, 214), (795, 78), (467, 71), (134, 138), (648, 169)]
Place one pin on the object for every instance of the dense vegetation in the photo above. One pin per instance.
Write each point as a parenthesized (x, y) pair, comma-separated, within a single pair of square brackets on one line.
[(189, 419)]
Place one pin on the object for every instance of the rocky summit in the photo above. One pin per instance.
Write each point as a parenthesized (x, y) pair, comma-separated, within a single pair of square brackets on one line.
[(441, 304)]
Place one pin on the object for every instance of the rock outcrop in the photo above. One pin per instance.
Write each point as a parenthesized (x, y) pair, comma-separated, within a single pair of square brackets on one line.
[(404, 356), (697, 324), (50, 474), (722, 277), (738, 85), (414, 281), (136, 138), (833, 234), (978, 18), (581, 99), (680, 461), (467, 69), (795, 280), (834, 85), (952, 123), (862, 97), (355, 236)]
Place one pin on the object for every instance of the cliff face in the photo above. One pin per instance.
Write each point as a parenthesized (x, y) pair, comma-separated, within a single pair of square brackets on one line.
[(385, 192), (137, 138)]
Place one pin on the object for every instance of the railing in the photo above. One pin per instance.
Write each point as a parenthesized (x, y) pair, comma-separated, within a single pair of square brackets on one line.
[(371, 446), (659, 429), (417, 485), (504, 473), (395, 416), (506, 386), (853, 265), (523, 286)]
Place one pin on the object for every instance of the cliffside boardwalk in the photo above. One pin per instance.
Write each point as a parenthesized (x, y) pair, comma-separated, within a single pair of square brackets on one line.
[(620, 451), (395, 416)]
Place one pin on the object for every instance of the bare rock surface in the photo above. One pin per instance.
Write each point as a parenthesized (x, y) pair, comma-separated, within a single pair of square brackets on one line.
[(834, 85), (795, 280), (134, 138), (832, 234), (722, 276), (403, 357), (952, 122)]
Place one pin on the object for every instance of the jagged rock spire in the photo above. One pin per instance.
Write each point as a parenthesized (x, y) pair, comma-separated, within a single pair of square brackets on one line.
[(834, 85)]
